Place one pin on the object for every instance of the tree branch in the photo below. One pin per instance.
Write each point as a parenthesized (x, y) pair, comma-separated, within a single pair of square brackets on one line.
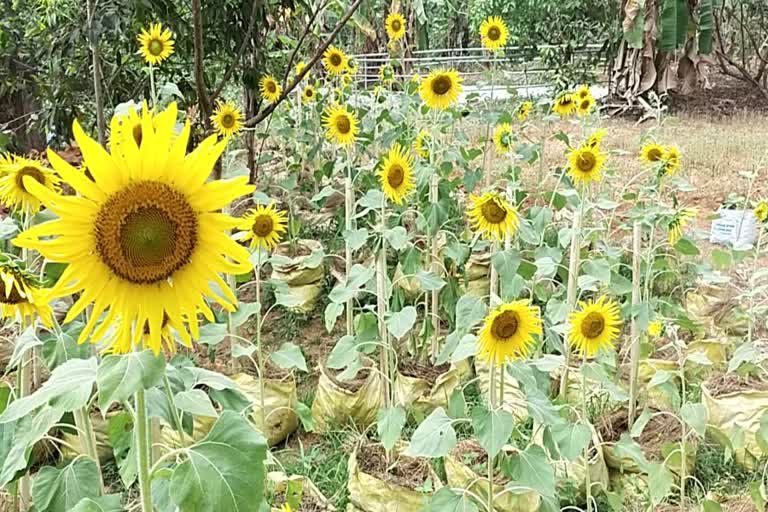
[(202, 91), (323, 4), (240, 52), (298, 78)]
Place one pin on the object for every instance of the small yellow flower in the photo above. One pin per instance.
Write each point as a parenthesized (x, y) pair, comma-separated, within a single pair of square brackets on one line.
[(585, 105), (227, 119), (586, 164), (655, 328), (524, 110), (309, 94), (565, 105), (503, 137), (14, 188), (263, 226), (652, 153), (671, 160), (395, 25), (583, 92), (299, 67), (422, 144), (270, 89), (440, 89), (761, 210), (596, 138), (387, 74), (335, 60), (493, 216), (155, 44), (507, 332), (493, 33), (595, 326), (341, 125), (681, 219), (395, 175), (21, 296)]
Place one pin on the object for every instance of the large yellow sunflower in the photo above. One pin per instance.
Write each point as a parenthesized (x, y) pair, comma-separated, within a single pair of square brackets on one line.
[(155, 44), (680, 220), (395, 26), (270, 89), (309, 94), (493, 33), (652, 152), (335, 60), (14, 189), (493, 216), (395, 175), (441, 88), (227, 119), (146, 238), (595, 326), (524, 110), (671, 160), (263, 226), (21, 296), (586, 164), (564, 105), (761, 210), (422, 144), (503, 137), (341, 125), (508, 331)]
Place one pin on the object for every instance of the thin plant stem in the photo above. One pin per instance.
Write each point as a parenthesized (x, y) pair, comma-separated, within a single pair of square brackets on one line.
[(174, 410), (381, 306), (488, 129), (143, 450), (87, 438), (585, 418), (153, 92), (433, 198), (492, 405), (259, 348), (349, 205), (635, 328)]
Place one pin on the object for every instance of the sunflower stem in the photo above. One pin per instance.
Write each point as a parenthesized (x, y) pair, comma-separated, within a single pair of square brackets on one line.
[(433, 198), (349, 204), (492, 406), (143, 450), (174, 411), (153, 93), (23, 382), (585, 419), (494, 280), (489, 127), (635, 328), (573, 272), (87, 438), (259, 351)]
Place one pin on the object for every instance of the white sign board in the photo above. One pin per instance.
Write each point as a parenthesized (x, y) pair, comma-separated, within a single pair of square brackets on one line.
[(737, 228)]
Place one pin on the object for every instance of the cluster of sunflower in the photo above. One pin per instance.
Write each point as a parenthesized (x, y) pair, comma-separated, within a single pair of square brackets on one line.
[(580, 102), (664, 159)]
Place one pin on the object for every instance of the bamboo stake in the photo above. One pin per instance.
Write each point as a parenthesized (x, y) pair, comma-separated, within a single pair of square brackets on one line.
[(573, 271), (635, 328), (349, 205), (381, 307), (433, 198)]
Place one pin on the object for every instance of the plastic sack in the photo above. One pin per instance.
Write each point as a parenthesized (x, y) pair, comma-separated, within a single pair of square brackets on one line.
[(655, 396), (303, 274), (336, 405), (202, 425), (477, 274), (422, 397), (514, 399), (737, 410), (575, 470), (717, 310), (280, 402), (369, 493), (461, 476)]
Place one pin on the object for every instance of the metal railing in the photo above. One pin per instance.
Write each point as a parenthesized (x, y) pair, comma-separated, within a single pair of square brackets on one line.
[(517, 65)]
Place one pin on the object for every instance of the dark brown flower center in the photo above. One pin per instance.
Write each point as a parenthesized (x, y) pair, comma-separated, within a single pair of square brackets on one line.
[(593, 325), (156, 47), (505, 325), (11, 296), (395, 176), (271, 87), (262, 225), (654, 154), (441, 85), (33, 172), (494, 33), (396, 25), (335, 59), (227, 120), (146, 232), (343, 124), (308, 92), (493, 212), (585, 104), (586, 161)]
